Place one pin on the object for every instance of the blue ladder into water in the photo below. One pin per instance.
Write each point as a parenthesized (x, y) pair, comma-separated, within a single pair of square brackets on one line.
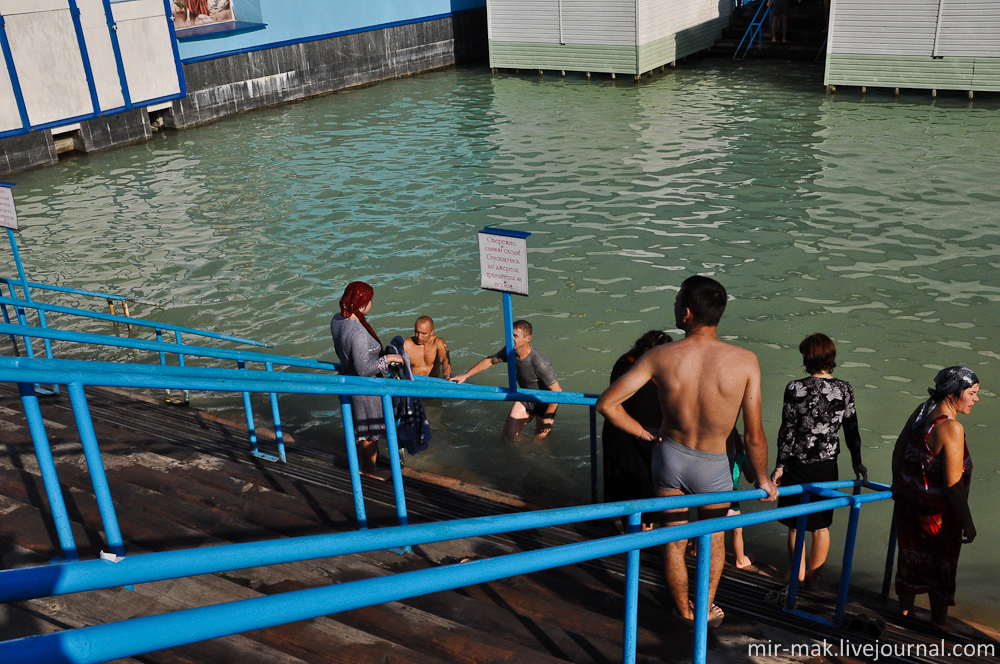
[(753, 31)]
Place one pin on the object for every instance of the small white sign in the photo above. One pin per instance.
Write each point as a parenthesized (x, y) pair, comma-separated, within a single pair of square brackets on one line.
[(503, 263), (8, 215)]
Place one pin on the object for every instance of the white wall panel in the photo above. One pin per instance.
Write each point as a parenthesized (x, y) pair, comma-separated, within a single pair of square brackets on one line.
[(10, 117), (660, 18), (49, 65), (970, 28), (147, 50)]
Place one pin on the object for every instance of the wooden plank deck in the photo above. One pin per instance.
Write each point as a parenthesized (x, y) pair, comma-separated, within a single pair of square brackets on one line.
[(182, 478)]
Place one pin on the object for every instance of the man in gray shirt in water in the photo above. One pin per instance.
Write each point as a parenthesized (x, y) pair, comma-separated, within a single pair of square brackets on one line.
[(534, 372)]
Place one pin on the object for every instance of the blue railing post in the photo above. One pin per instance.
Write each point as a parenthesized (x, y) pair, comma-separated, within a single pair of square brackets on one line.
[(278, 434), (28, 350), (845, 572), (352, 461), (800, 545), (180, 361), (890, 556), (6, 319), (47, 467), (397, 473), (631, 620), (703, 577), (593, 454), (508, 328), (248, 409), (27, 293), (95, 465)]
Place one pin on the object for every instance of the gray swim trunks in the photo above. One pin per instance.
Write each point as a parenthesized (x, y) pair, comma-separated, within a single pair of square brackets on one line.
[(675, 466)]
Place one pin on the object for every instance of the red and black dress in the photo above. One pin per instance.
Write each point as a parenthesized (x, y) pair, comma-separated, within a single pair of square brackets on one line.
[(928, 528)]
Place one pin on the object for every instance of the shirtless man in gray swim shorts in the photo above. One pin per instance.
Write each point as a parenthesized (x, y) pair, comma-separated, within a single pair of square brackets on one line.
[(703, 384)]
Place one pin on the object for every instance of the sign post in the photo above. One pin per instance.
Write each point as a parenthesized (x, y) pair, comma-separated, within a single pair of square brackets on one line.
[(503, 265)]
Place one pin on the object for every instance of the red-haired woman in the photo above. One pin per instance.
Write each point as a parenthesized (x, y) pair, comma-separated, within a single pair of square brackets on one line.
[(360, 353), (815, 408)]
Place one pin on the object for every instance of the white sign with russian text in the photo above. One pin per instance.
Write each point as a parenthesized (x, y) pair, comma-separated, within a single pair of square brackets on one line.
[(8, 215), (503, 263)]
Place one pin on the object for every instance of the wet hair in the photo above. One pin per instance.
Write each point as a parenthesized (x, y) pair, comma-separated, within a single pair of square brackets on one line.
[(705, 297), (818, 353), (651, 339), (356, 297), (522, 325)]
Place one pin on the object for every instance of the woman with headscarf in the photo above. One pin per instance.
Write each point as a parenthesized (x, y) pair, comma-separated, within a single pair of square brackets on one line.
[(360, 353), (815, 408), (931, 473)]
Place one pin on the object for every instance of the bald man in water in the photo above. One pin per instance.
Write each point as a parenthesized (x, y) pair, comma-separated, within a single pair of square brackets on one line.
[(429, 354), (703, 384)]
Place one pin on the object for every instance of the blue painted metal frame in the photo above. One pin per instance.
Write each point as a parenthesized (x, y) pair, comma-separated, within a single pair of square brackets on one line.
[(268, 381), (74, 12), (753, 31), (177, 56), (62, 289), (126, 638), (83, 313), (15, 84), (119, 63)]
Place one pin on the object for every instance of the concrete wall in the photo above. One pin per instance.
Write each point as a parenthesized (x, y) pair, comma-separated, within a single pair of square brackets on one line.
[(244, 81)]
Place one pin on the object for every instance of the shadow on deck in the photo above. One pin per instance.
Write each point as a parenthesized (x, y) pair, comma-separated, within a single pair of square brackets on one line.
[(181, 479)]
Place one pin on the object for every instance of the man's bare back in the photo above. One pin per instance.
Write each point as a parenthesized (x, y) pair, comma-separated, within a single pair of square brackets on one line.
[(429, 355), (702, 385)]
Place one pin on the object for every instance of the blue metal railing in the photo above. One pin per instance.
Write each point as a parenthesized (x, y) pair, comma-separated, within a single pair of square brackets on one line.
[(242, 380), (242, 357), (99, 643), (753, 30), (136, 636)]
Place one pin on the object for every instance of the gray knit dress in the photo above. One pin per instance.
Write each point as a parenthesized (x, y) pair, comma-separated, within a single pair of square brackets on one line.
[(359, 355)]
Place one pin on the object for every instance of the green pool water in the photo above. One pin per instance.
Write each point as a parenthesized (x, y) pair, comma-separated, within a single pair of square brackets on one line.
[(873, 219)]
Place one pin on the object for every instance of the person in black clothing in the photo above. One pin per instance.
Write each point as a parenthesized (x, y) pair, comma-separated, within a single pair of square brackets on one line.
[(815, 408), (627, 458)]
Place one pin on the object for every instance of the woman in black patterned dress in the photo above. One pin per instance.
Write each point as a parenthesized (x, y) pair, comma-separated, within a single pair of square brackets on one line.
[(814, 411)]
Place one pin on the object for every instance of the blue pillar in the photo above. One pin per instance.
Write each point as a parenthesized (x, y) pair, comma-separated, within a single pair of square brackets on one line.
[(43, 453), (352, 461), (397, 472), (508, 325), (631, 621), (703, 577), (102, 492)]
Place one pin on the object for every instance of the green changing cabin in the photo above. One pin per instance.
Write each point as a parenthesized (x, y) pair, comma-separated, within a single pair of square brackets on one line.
[(916, 44), (609, 36)]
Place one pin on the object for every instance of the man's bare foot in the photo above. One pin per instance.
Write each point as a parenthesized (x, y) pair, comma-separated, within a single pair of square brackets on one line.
[(378, 474), (784, 41), (745, 562), (773, 39)]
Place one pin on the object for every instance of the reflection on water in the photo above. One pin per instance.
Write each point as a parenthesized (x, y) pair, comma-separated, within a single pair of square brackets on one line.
[(873, 220)]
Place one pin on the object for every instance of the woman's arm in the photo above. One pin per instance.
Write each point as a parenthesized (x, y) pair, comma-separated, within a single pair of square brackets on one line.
[(952, 435), (904, 438), (852, 433), (786, 434)]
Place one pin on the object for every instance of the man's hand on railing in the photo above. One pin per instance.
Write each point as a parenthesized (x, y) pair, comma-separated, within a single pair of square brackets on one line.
[(769, 487)]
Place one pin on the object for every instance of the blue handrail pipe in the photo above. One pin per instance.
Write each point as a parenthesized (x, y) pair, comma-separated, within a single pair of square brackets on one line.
[(132, 637)]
